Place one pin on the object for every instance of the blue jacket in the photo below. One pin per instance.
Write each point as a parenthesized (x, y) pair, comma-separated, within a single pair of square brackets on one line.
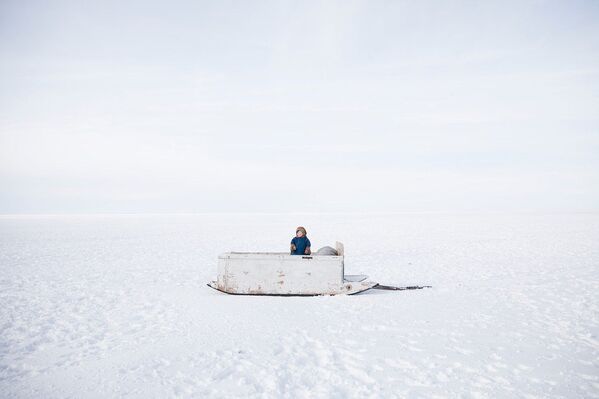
[(301, 243)]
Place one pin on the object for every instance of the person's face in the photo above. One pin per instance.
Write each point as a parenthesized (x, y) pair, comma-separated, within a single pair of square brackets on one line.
[(299, 233)]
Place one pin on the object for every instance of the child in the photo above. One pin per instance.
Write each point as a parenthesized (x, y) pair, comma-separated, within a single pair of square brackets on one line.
[(300, 245)]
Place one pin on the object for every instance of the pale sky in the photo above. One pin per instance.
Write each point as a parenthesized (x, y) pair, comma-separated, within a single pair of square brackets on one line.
[(299, 106)]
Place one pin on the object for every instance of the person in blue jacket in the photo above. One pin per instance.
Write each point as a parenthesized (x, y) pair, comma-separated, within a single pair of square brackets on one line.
[(300, 245)]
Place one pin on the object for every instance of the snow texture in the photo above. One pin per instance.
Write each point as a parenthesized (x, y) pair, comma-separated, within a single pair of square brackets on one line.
[(112, 306)]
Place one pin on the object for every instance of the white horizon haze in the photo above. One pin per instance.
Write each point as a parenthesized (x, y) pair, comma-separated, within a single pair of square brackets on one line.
[(298, 106)]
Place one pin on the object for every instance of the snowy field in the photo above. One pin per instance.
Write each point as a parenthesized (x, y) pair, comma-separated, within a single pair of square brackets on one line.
[(112, 306)]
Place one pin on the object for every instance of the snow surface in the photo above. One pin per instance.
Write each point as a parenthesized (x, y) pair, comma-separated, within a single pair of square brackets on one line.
[(108, 306)]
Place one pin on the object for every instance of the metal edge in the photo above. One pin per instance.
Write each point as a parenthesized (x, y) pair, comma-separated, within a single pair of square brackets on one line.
[(214, 287)]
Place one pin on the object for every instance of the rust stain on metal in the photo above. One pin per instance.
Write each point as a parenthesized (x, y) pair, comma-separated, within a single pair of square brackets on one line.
[(256, 291)]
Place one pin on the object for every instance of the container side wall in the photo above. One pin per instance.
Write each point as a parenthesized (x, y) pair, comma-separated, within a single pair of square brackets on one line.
[(282, 274)]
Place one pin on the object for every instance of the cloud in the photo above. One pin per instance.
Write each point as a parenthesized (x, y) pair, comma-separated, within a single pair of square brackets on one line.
[(341, 106)]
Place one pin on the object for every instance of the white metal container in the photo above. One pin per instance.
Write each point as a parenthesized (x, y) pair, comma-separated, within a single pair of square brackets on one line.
[(277, 273)]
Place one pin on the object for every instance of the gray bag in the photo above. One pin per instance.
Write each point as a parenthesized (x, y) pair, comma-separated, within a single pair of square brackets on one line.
[(327, 251)]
